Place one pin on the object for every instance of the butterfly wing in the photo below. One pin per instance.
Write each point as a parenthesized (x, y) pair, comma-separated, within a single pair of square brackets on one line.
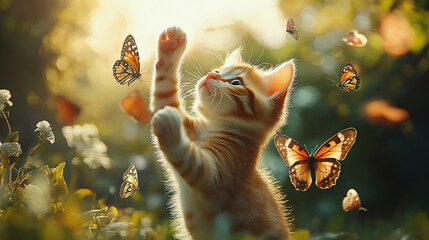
[(351, 200), (327, 167), (129, 186), (349, 80), (130, 53), (67, 111), (290, 23), (135, 106), (127, 189), (290, 28), (124, 73), (355, 39), (293, 32), (297, 159), (127, 69)]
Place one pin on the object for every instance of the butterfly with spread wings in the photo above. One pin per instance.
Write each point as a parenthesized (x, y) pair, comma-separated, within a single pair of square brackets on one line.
[(323, 166), (349, 80), (129, 186), (290, 28), (127, 69)]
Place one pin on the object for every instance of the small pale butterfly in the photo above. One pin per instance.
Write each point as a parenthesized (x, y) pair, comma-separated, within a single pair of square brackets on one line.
[(323, 166), (350, 79), (290, 28), (354, 38), (130, 183), (352, 201), (127, 69)]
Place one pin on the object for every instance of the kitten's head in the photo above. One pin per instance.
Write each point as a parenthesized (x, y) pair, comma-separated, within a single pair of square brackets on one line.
[(238, 90)]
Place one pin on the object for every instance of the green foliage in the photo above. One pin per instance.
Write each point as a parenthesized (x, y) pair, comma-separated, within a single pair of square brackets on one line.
[(35, 203)]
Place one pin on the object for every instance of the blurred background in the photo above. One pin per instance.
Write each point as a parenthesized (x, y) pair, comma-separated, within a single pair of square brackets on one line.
[(56, 59)]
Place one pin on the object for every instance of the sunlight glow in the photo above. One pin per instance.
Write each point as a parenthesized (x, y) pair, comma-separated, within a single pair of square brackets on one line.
[(147, 19)]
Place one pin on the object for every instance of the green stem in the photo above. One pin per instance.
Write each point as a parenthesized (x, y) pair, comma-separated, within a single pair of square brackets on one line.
[(10, 173), (7, 121), (1, 174), (32, 152)]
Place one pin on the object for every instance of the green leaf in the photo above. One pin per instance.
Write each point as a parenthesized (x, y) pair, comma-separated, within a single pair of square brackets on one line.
[(12, 137)]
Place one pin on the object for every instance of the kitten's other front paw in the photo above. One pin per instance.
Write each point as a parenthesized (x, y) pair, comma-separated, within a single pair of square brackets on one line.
[(172, 44), (167, 125)]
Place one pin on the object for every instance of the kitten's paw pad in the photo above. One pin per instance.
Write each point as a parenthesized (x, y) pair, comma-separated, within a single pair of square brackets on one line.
[(166, 124), (172, 40)]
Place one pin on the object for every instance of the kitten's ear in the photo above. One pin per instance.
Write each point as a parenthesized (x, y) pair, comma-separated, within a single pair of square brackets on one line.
[(279, 79), (234, 58)]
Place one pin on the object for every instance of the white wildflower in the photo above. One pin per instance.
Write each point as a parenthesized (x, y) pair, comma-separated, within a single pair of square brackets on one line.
[(12, 149), (118, 227), (37, 196), (45, 131), (4, 98), (86, 141)]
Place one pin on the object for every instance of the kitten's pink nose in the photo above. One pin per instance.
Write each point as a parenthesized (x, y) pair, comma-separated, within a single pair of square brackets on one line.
[(212, 75)]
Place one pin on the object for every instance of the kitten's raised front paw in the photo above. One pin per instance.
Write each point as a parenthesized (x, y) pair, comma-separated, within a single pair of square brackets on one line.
[(167, 124), (172, 44)]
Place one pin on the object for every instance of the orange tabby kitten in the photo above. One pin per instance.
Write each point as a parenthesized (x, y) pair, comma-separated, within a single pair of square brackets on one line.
[(211, 157)]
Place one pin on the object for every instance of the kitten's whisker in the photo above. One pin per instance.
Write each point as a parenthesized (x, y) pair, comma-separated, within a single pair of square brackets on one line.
[(196, 76), (186, 86), (216, 55), (260, 55), (251, 49), (233, 94), (188, 93), (220, 100), (264, 64), (198, 70), (192, 76), (220, 55), (201, 68), (226, 93)]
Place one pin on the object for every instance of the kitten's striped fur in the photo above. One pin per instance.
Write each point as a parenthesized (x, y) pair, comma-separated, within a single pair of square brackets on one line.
[(211, 157)]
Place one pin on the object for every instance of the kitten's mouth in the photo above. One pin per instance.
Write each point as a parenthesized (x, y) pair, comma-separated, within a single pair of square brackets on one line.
[(205, 84)]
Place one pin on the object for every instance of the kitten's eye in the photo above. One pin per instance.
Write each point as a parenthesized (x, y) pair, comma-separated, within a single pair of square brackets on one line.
[(216, 71), (235, 82)]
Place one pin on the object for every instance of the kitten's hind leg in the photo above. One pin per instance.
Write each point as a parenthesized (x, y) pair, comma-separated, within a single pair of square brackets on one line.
[(172, 45)]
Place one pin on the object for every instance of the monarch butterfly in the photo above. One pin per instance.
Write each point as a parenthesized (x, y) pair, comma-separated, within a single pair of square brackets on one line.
[(129, 186), (355, 39), (352, 201), (135, 106), (349, 80), (127, 69), (323, 166), (290, 28)]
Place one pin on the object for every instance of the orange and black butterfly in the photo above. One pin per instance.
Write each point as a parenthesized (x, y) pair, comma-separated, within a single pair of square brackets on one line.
[(323, 166), (349, 80), (290, 28), (130, 184), (127, 69)]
